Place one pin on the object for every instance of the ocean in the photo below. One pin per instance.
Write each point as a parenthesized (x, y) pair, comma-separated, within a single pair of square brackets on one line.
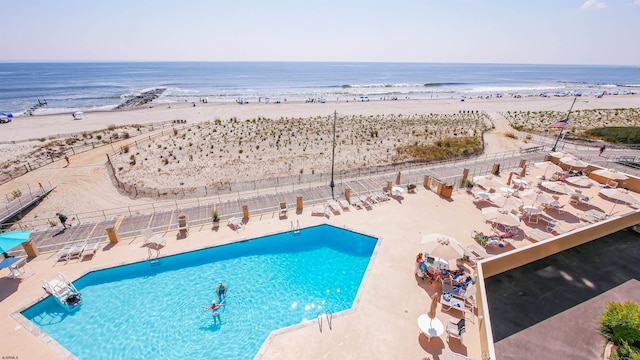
[(68, 87)]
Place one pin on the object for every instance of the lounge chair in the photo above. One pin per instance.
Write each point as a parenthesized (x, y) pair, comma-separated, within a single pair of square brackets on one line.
[(152, 239), (320, 210), (536, 235), (381, 197), (371, 200), (91, 249), (364, 201), (334, 206), (344, 204), (236, 223), (357, 202), (76, 251), (63, 254)]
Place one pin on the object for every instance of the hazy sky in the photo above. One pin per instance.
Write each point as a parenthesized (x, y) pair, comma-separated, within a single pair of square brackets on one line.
[(474, 31)]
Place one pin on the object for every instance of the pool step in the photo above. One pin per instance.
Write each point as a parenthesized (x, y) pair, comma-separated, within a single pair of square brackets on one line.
[(154, 262)]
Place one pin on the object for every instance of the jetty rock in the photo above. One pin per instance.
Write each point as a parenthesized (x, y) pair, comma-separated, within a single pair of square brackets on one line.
[(143, 98)]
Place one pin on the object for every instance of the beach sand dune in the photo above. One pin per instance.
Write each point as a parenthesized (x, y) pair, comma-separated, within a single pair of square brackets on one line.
[(85, 186)]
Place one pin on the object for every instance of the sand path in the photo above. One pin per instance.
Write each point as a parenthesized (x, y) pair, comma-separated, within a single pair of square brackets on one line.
[(496, 140)]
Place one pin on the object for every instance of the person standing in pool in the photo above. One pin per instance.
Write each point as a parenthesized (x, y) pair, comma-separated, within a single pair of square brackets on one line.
[(215, 307), (221, 291)]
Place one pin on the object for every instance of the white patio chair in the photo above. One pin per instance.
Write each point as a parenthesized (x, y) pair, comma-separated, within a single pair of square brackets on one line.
[(456, 328), (152, 239)]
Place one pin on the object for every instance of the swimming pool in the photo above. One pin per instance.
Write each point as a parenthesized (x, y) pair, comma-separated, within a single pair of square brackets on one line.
[(146, 311)]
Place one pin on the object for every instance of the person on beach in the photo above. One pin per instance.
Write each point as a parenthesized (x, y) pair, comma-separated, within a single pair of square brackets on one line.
[(63, 219), (602, 148), (66, 157)]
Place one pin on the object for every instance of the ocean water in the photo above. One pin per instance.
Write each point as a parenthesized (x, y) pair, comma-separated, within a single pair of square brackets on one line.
[(70, 87)]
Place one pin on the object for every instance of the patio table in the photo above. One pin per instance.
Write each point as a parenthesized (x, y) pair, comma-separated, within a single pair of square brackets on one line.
[(430, 327)]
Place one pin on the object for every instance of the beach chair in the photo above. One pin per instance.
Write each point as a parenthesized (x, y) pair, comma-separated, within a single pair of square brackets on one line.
[(319, 210), (63, 254), (357, 202), (151, 239), (371, 200), (236, 223), (334, 206), (76, 251), (364, 201), (91, 248), (344, 204)]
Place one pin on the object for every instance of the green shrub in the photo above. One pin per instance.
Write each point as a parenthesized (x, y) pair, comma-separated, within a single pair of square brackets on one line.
[(620, 324), (618, 134)]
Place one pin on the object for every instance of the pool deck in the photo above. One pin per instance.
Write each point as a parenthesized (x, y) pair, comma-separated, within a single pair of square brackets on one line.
[(383, 322)]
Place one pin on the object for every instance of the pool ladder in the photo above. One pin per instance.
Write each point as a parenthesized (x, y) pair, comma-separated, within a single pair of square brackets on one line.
[(153, 259), (328, 315), (295, 228)]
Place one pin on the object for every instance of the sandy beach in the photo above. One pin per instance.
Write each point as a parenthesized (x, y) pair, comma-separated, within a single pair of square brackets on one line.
[(229, 142)]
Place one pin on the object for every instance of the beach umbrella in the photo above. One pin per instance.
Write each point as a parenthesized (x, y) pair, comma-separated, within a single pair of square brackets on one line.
[(9, 115), (490, 213), (610, 174), (434, 306), (548, 166), (560, 155), (506, 201), (11, 239), (397, 189), (398, 178), (582, 181), (483, 195), (507, 219), (620, 195), (442, 246), (556, 186), (573, 163), (536, 196), (488, 182)]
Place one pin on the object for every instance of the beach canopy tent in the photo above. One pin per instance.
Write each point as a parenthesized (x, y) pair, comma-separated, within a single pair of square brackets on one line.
[(11, 239), (5, 117), (78, 115)]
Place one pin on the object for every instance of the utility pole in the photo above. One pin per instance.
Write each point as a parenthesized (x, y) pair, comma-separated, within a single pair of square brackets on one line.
[(333, 153), (565, 125)]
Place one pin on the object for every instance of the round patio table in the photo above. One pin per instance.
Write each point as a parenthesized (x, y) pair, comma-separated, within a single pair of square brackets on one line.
[(430, 327)]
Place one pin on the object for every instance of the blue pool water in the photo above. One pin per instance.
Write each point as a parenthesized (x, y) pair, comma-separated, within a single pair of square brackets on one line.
[(139, 311)]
